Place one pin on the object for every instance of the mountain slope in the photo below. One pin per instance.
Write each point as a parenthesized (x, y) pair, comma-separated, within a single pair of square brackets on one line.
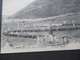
[(48, 8)]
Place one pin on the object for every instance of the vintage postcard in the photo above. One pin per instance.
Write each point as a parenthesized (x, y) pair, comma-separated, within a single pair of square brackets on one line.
[(40, 25)]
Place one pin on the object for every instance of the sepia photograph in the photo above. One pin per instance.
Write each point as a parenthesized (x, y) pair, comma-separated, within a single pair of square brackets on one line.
[(40, 25)]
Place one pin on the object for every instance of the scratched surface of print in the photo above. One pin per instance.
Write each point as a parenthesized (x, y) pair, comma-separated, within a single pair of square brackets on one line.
[(40, 25)]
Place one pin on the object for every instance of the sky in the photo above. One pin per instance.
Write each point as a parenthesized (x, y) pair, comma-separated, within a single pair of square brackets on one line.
[(12, 6)]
